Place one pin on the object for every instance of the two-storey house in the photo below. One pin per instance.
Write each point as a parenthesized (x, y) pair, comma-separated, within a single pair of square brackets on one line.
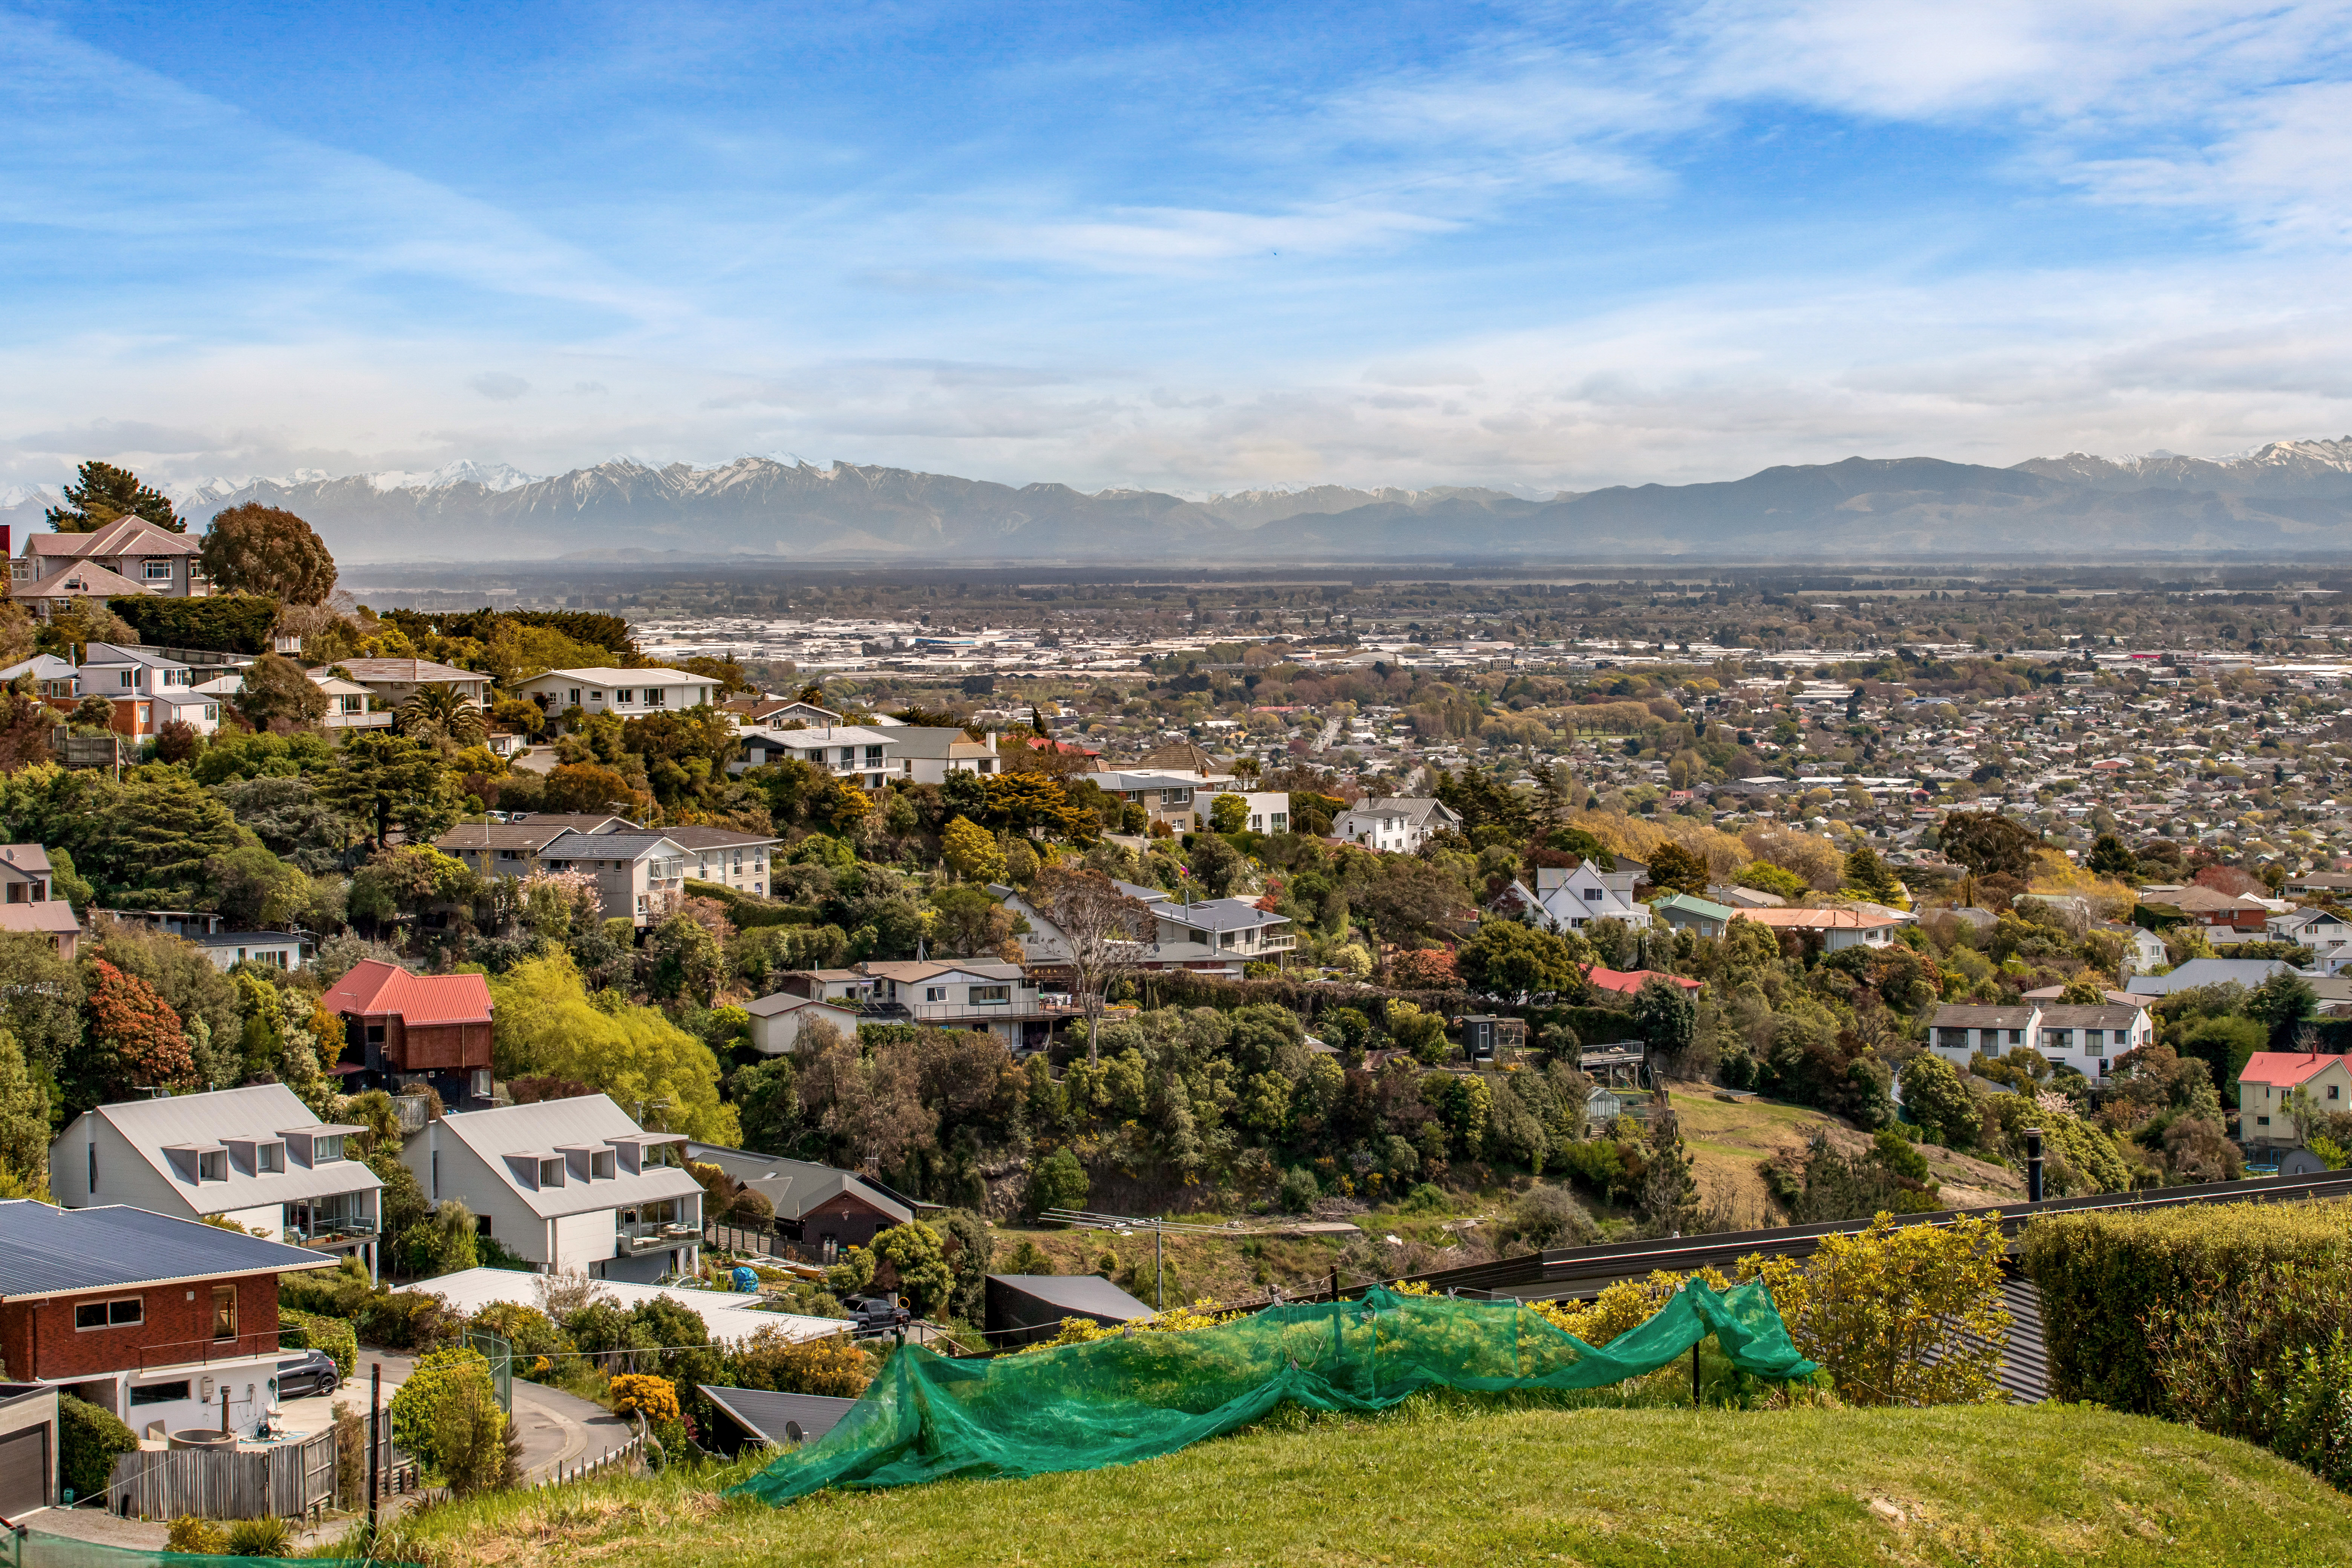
[(850, 751), (1576, 896), (927, 753), (401, 1029), (29, 901), (2266, 1088), (136, 555), (1176, 798), (255, 1156), (965, 994), (728, 856), (1395, 825), (571, 1185), (639, 874), (632, 694), (148, 690), (392, 681), (2087, 1038), (156, 1319), (1234, 928)]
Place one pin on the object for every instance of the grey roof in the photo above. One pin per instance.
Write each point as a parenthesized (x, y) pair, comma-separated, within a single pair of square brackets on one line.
[(261, 1112), (706, 837), (631, 845), (785, 1002), (1219, 914), (2106, 1017), (532, 835), (1414, 808), (107, 653), (589, 1119), (249, 938), (763, 1414), (1960, 1016), (799, 1188), (46, 1250), (927, 741), (1088, 1295), (2247, 971)]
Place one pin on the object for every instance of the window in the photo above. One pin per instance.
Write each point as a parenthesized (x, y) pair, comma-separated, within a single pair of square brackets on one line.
[(159, 572), (269, 1158), (654, 696), (2261, 1121), (2017, 1036), (873, 756), (2093, 1039), (627, 697), (212, 1165), (159, 1393), (601, 1166), (327, 1148), (935, 992), (551, 1173), (127, 1313), (985, 995), (575, 695), (123, 680), (223, 1312), (2334, 1093), (1592, 895), (375, 1034)]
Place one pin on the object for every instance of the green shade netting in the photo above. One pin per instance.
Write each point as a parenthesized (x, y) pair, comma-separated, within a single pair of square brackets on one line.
[(36, 1550), (1138, 1395)]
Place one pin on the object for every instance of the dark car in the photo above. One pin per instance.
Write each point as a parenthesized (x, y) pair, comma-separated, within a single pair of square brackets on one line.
[(313, 1372), (877, 1315)]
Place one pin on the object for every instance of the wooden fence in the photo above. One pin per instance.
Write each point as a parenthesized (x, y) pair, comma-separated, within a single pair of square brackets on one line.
[(620, 1458), (284, 1482)]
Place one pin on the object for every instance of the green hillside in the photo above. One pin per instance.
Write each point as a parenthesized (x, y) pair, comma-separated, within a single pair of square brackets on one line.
[(1439, 1485)]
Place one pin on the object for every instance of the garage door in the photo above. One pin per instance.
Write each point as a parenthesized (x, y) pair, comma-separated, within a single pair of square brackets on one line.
[(24, 1472)]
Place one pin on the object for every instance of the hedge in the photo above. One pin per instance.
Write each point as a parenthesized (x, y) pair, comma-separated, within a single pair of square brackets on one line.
[(90, 1439), (747, 909), (226, 622), (2101, 1274), (299, 1331)]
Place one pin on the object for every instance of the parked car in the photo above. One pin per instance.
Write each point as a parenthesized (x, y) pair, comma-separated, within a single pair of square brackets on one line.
[(877, 1315), (313, 1372)]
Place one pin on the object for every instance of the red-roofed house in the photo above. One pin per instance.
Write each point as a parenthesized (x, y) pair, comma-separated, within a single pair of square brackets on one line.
[(2267, 1080), (1625, 982), (404, 1028)]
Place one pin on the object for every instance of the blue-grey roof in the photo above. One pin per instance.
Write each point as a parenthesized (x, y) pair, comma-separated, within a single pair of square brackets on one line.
[(1088, 1295), (46, 1250), (764, 1415), (2247, 971), (1219, 914)]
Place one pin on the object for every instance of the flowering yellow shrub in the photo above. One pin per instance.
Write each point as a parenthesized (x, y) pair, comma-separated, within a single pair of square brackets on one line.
[(1625, 1305), (1201, 1314), (639, 1394)]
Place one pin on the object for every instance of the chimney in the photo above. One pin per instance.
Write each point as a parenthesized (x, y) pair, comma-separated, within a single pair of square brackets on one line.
[(2033, 1190)]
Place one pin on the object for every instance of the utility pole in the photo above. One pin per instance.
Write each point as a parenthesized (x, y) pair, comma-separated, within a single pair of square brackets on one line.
[(375, 1441)]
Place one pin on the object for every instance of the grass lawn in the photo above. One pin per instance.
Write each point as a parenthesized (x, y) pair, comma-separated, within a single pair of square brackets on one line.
[(1437, 1483), (1726, 1138)]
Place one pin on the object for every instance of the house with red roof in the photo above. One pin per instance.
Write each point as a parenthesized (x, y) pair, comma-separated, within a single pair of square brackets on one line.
[(401, 1029), (2266, 1086), (1625, 982)]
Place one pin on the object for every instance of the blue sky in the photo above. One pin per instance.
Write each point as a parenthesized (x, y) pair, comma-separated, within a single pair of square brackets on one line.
[(1196, 248)]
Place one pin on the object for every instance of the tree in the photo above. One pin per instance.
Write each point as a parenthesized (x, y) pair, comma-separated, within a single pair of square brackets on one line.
[(1408, 897), (687, 960), (970, 849), (1668, 1199), (278, 696), (1504, 958), (381, 779), (1677, 869), (1988, 844), (912, 1251), (1938, 1102), (2283, 1004), (290, 820), (1664, 1015), (24, 1121), (1104, 934), (1868, 875), (1215, 864), (133, 1041), (650, 1066), (585, 788), (438, 708), (972, 925), (103, 493), (445, 1398), (1059, 1182), (257, 549), (2109, 858), (1229, 813), (1767, 878)]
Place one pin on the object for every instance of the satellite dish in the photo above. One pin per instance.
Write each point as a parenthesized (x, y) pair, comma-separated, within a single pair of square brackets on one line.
[(793, 1431)]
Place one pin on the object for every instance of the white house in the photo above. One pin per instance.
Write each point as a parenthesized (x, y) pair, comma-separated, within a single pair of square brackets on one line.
[(1234, 928), (2088, 1039), (148, 690), (845, 751), (52, 676), (928, 753), (1262, 811), (633, 693), (1577, 896), (639, 874), (276, 949), (571, 1185), (256, 1157), (347, 704), (392, 681), (965, 994), (777, 1021), (1397, 825), (725, 855)]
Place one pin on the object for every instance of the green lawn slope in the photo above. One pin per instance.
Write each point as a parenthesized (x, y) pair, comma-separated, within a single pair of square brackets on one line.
[(1433, 1484)]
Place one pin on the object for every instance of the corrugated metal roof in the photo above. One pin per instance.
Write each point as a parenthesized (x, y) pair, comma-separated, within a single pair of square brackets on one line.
[(766, 1414), (259, 1112), (46, 1250), (591, 1120), (374, 986), (1088, 1294)]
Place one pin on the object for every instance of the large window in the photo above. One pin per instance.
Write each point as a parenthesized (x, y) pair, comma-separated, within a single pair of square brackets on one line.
[(126, 1312), (984, 995), (159, 1393), (223, 1312), (269, 1158), (326, 1148), (159, 572)]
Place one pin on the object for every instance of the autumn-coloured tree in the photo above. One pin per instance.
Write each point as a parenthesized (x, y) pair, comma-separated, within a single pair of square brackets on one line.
[(132, 1038), (586, 788)]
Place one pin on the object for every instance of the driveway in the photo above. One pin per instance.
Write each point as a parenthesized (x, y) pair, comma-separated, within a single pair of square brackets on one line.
[(556, 1428)]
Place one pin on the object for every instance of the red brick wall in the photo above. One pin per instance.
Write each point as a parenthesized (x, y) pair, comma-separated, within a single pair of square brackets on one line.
[(41, 1342)]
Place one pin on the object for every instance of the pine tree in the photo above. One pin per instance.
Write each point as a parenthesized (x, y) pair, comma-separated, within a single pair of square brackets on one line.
[(1668, 1201), (106, 494)]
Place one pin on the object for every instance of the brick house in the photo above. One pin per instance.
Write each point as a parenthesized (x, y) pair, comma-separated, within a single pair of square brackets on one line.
[(402, 1028), (150, 1316)]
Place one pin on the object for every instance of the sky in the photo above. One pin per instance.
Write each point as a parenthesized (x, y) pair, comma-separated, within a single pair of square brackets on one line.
[(1197, 248)]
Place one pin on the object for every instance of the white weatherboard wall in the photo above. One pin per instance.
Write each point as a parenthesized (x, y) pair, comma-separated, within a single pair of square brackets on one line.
[(583, 1238)]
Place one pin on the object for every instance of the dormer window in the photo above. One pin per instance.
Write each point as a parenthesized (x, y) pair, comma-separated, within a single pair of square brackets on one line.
[(326, 1148), (604, 1165), (551, 1173), (269, 1158), (212, 1165)]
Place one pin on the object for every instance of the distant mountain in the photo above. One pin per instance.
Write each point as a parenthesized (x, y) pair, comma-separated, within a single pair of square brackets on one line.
[(2288, 498)]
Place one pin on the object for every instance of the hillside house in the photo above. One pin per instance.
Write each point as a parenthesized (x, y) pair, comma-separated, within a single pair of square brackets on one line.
[(129, 555), (639, 873), (632, 694), (158, 1320), (256, 1157), (2266, 1086), (966, 993), (822, 1208), (1234, 930), (1574, 897), (2205, 907), (401, 1029), (2087, 1038), (851, 752), (148, 690), (29, 901), (1835, 929), (571, 1185), (927, 753), (392, 681), (777, 1020), (728, 856), (1683, 911), (1395, 825)]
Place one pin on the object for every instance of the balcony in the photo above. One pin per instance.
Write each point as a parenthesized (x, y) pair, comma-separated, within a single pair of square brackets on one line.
[(330, 1230), (978, 1012), (203, 1353), (1277, 945)]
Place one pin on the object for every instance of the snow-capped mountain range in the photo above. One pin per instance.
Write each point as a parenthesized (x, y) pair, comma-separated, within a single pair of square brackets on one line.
[(2289, 498)]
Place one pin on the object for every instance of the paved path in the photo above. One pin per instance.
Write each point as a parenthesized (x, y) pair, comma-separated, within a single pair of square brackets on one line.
[(556, 1427)]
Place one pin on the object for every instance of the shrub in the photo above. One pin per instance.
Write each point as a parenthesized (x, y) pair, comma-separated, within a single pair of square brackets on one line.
[(2104, 1276), (1597, 1165), (439, 1378), (261, 1538), (1300, 1191), (405, 1319), (1058, 1183), (197, 1537), (638, 1393), (224, 623), (90, 1439), (1425, 1199), (835, 1367), (1547, 1217), (301, 1330), (2265, 1359)]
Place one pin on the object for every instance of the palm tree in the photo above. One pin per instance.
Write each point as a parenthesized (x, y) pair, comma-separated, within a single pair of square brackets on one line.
[(443, 710)]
